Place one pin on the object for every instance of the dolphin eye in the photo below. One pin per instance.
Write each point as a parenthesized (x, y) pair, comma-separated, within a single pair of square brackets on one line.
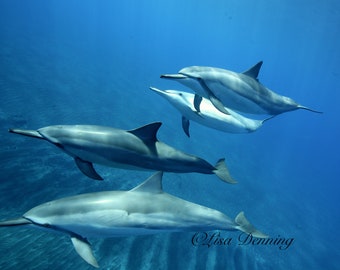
[(180, 94), (46, 225)]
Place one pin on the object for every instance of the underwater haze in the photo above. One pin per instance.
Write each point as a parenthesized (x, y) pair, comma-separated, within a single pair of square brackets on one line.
[(92, 62)]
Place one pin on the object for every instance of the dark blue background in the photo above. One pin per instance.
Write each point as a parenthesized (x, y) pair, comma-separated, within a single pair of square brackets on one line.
[(91, 62)]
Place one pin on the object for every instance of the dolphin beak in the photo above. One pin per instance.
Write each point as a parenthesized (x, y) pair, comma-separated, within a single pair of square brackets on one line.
[(15, 222), (29, 133), (174, 76), (159, 91), (163, 93)]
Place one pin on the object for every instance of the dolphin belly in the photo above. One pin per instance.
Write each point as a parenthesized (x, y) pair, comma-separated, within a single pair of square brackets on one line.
[(108, 156), (231, 123), (122, 223)]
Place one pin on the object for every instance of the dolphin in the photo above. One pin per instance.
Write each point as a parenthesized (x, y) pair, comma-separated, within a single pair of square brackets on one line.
[(239, 91), (208, 115), (145, 209), (136, 149)]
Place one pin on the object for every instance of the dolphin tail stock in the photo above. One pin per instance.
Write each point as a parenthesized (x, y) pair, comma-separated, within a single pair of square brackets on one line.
[(15, 222), (222, 172), (308, 109), (245, 226), (83, 248), (29, 133)]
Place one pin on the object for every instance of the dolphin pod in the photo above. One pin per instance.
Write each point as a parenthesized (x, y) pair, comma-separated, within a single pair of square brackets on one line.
[(146, 209), (239, 91), (136, 149), (208, 115)]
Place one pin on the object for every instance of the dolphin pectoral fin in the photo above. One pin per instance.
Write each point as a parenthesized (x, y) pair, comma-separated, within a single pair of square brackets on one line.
[(83, 248), (222, 172), (245, 226), (87, 168), (29, 133), (218, 105), (214, 100), (197, 102), (15, 222), (186, 125)]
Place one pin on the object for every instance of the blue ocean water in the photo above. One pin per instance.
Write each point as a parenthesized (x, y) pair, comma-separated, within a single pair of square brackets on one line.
[(92, 62)]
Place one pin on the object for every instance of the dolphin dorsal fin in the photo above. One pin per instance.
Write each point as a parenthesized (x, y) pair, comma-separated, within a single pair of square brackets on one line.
[(254, 71), (152, 185), (147, 132)]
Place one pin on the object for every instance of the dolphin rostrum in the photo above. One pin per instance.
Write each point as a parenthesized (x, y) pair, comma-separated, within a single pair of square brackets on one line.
[(136, 149), (145, 209), (208, 115), (239, 91)]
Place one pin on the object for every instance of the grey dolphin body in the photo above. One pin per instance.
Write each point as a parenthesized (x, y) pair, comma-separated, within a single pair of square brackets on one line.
[(136, 149), (239, 91), (146, 209), (208, 115)]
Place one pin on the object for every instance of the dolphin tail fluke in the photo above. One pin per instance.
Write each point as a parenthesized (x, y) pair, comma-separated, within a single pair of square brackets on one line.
[(29, 133), (15, 222), (83, 248), (308, 109), (222, 172), (245, 226)]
